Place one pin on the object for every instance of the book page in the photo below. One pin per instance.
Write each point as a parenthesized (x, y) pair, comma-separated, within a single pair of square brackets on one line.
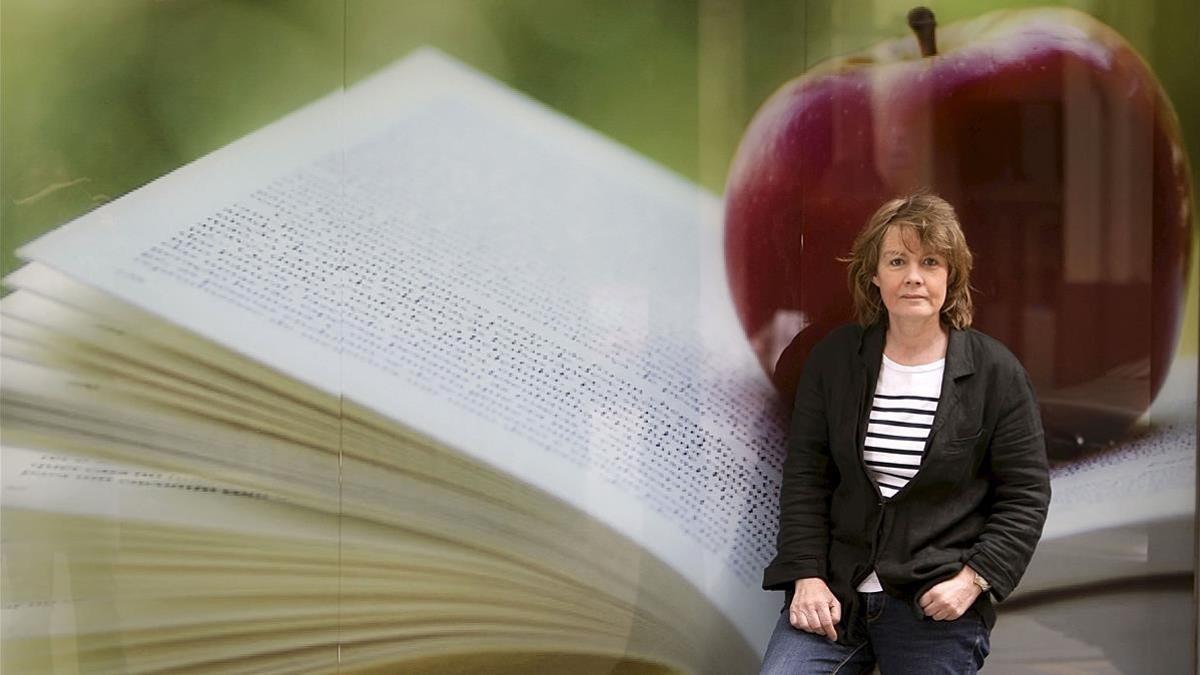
[(55, 482), (1147, 477), (463, 261), (1129, 512)]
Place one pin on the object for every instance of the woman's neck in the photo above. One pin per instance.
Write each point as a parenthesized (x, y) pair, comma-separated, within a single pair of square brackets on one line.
[(915, 343)]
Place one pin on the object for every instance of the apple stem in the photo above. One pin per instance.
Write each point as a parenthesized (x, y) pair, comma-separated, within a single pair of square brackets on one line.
[(921, 21)]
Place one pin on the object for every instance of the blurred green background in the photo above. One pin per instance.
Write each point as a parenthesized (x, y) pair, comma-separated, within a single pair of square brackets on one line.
[(100, 96)]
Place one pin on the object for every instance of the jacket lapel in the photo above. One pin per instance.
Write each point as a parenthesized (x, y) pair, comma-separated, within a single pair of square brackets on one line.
[(960, 364), (870, 354)]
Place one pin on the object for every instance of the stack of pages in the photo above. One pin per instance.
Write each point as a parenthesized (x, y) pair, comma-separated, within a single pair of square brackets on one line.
[(421, 377)]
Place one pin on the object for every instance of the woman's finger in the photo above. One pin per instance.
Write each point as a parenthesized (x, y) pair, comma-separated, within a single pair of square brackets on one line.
[(925, 600), (825, 622), (808, 623), (946, 613)]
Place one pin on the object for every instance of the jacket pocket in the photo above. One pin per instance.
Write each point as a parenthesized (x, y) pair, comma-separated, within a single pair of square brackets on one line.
[(963, 444)]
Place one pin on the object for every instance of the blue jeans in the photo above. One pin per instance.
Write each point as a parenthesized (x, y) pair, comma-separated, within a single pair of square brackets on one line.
[(900, 642)]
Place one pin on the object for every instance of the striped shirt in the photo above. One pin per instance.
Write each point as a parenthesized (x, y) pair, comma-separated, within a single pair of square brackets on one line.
[(906, 397)]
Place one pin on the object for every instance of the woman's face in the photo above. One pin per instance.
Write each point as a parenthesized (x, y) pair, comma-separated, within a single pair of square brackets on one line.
[(911, 279)]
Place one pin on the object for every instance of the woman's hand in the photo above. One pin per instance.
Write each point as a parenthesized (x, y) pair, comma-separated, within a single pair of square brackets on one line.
[(814, 608), (951, 598)]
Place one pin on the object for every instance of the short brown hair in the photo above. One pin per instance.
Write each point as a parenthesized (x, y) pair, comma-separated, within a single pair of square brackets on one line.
[(936, 225)]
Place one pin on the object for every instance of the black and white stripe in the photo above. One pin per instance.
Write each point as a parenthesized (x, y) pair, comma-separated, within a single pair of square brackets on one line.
[(906, 399)]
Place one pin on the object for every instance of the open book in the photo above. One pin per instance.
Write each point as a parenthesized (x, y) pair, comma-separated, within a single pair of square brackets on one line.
[(423, 377)]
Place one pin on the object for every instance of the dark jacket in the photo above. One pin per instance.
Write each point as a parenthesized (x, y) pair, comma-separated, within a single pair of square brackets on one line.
[(980, 496)]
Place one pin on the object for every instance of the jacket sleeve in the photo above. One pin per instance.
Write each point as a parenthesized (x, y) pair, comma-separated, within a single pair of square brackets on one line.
[(802, 547), (1020, 482)]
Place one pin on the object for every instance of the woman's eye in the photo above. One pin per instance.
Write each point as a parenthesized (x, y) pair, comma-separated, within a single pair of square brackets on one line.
[(895, 262), (932, 262)]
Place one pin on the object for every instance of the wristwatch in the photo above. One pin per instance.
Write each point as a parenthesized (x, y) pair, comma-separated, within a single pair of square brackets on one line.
[(982, 583)]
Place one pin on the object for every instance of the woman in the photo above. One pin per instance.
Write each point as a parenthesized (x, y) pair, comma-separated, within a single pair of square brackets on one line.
[(915, 486)]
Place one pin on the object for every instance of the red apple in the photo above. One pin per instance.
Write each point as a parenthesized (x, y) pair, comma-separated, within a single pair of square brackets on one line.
[(1062, 156)]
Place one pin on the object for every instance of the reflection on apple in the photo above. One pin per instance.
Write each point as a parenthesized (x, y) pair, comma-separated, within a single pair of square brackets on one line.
[(1063, 157)]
